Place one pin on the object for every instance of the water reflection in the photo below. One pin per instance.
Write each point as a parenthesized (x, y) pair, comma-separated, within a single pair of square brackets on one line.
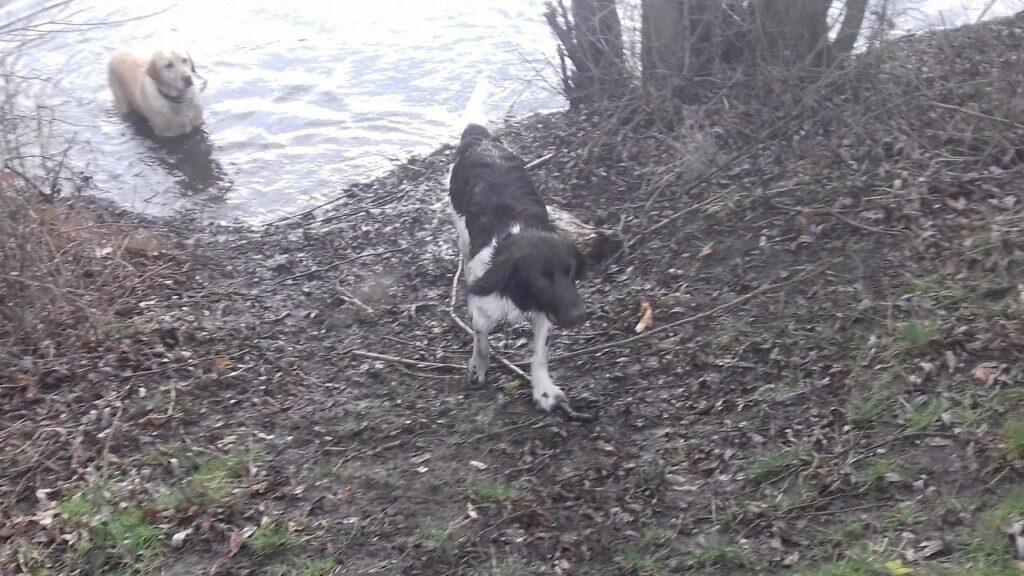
[(189, 161)]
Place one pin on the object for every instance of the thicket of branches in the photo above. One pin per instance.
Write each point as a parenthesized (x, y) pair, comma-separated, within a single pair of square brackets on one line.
[(687, 45), (63, 272)]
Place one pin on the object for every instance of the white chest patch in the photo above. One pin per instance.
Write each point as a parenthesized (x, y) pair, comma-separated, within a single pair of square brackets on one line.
[(492, 309)]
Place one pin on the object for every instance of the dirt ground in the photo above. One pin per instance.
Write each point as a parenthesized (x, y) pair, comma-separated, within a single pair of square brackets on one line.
[(832, 384)]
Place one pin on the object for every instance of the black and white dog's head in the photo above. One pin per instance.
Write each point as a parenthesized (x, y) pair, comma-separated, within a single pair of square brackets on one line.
[(537, 270), (510, 248)]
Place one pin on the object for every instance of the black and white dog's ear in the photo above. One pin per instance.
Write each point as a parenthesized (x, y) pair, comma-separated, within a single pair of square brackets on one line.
[(581, 263), (495, 279), (191, 62)]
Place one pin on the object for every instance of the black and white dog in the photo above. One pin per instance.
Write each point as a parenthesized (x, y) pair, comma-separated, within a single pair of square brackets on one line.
[(516, 265)]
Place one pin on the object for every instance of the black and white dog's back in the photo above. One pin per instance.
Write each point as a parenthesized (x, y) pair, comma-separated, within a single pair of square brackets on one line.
[(516, 265)]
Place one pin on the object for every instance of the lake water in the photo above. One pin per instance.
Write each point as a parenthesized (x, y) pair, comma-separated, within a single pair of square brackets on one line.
[(305, 97)]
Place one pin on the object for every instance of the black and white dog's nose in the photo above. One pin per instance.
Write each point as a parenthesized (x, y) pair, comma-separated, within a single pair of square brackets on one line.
[(576, 316)]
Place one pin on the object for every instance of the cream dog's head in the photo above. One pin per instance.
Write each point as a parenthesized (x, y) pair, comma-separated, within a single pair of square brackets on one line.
[(173, 72)]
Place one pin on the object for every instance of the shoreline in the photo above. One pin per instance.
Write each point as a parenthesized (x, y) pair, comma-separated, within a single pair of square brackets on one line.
[(833, 381)]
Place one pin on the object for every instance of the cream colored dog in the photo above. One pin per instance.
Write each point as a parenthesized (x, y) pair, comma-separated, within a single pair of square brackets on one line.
[(161, 89)]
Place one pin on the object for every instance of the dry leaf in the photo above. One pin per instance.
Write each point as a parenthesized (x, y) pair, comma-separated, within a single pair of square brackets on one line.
[(221, 362), (959, 203), (896, 568), (809, 216), (238, 538), (154, 420), (620, 450), (985, 373), (27, 383), (178, 540), (235, 543), (676, 482), (706, 251), (646, 317)]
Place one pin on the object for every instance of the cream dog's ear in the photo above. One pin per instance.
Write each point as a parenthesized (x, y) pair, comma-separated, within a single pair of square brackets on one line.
[(191, 62), (151, 70)]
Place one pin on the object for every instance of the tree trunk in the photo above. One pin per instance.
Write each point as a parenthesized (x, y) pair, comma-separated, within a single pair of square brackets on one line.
[(661, 42), (592, 39), (791, 32), (849, 30), (680, 40)]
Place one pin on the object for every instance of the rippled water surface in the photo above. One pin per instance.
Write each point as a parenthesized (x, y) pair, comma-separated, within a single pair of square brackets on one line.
[(301, 97), (304, 97)]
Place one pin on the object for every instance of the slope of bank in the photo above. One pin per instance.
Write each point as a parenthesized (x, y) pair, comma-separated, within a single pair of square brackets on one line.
[(833, 383)]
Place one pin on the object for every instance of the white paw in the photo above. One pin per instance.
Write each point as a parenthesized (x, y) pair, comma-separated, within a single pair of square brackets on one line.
[(545, 394)]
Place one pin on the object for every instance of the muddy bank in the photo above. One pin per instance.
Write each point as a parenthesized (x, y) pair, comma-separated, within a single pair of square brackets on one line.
[(833, 381)]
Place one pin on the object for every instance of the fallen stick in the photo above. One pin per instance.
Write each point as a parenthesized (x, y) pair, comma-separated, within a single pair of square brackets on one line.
[(405, 361), (336, 264), (540, 161), (694, 318), (451, 312), (564, 406)]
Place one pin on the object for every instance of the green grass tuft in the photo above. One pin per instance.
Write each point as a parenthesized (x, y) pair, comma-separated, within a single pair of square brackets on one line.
[(707, 558), (872, 407), (1011, 437), (921, 418), (494, 492), (914, 338), (440, 540), (652, 538), (873, 473), (906, 514), (774, 464), (847, 567), (80, 506), (1009, 509), (637, 562), (271, 539), (217, 476), (470, 430), (320, 567)]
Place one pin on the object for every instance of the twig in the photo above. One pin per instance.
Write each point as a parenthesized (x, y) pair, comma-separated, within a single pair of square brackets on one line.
[(691, 319), (405, 361), (563, 406), (863, 226), (837, 214), (503, 431), (540, 161), (451, 312), (336, 264), (974, 113), (105, 457), (379, 204), (354, 300)]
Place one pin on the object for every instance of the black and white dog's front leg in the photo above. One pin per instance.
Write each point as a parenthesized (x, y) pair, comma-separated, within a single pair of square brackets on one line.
[(545, 394), (481, 347)]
